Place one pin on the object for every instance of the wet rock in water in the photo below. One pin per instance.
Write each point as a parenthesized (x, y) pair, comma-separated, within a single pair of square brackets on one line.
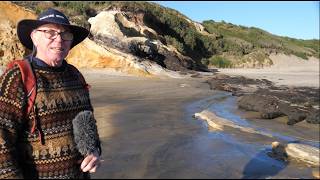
[(313, 116), (278, 151), (298, 103), (304, 153), (250, 102), (296, 151), (226, 87), (295, 114), (268, 106)]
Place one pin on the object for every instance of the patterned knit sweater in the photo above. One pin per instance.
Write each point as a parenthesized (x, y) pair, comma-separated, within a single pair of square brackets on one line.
[(60, 97)]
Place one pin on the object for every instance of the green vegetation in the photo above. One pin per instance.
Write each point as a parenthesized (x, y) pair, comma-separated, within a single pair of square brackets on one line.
[(218, 61), (73, 7), (260, 39), (174, 42), (223, 39), (301, 54)]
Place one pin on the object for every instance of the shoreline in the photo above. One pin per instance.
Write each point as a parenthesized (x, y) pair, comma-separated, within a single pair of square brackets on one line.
[(144, 117), (147, 131)]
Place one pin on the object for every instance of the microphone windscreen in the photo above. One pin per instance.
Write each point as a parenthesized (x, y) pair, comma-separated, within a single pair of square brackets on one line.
[(85, 132)]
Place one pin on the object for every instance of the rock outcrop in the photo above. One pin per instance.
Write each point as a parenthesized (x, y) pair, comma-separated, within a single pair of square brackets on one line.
[(107, 49), (217, 123), (294, 103), (126, 32), (296, 151), (297, 103), (88, 54), (10, 46)]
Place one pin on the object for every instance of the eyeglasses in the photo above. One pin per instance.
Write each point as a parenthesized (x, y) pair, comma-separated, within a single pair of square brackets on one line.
[(51, 34)]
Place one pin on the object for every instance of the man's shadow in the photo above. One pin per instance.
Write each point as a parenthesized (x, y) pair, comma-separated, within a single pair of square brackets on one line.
[(263, 166)]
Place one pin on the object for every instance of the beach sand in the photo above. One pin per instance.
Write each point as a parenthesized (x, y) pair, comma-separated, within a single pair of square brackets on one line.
[(286, 70), (147, 131), (140, 120)]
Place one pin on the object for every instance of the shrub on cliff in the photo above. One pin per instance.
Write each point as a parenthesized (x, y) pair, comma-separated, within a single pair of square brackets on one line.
[(218, 61)]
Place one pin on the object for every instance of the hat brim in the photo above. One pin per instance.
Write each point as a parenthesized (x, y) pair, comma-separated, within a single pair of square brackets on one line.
[(26, 26)]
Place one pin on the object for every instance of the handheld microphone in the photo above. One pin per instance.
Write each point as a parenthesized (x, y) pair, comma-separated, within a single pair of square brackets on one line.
[(85, 132)]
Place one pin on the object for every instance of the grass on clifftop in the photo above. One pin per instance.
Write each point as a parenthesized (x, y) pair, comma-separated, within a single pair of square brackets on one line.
[(223, 39)]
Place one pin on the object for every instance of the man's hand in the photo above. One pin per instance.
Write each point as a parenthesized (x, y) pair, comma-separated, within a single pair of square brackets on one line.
[(91, 162)]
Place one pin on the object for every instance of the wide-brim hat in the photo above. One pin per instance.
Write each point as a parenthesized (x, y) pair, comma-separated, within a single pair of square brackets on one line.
[(26, 26)]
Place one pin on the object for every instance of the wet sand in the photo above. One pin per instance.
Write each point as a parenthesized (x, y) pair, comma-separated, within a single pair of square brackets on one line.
[(140, 121), (147, 131)]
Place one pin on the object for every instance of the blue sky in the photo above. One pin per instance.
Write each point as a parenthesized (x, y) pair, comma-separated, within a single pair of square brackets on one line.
[(295, 19)]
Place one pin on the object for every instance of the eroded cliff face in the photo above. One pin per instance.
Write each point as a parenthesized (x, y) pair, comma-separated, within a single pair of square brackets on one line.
[(127, 32), (90, 55), (10, 46), (118, 41)]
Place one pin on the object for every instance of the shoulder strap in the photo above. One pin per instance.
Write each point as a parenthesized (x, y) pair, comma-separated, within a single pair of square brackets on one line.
[(28, 79)]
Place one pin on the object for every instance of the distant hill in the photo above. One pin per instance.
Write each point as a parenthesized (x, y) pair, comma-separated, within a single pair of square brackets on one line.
[(218, 44)]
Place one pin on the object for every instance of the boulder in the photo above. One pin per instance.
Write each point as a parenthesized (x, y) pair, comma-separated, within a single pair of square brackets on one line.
[(268, 106), (314, 116), (298, 152), (127, 32), (295, 114)]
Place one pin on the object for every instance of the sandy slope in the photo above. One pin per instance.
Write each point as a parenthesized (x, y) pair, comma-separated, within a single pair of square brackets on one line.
[(287, 70)]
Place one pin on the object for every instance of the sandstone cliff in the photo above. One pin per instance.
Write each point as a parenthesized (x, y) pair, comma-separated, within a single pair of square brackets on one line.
[(87, 54), (10, 46), (146, 38), (127, 32)]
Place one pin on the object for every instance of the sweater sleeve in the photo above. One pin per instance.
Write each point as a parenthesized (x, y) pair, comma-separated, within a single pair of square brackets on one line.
[(12, 103)]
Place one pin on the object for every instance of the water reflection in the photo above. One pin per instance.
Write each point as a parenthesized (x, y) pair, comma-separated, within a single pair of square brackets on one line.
[(261, 166)]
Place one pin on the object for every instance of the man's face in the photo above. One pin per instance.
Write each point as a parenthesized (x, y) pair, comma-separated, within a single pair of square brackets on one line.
[(52, 47)]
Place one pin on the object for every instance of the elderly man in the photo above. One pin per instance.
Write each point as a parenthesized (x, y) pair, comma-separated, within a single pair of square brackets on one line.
[(41, 144)]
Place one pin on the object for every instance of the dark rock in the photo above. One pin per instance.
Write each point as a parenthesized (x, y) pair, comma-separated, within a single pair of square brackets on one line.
[(266, 105), (270, 108), (183, 72), (269, 100), (197, 75), (251, 103), (313, 117), (166, 59), (295, 114), (172, 62), (90, 12)]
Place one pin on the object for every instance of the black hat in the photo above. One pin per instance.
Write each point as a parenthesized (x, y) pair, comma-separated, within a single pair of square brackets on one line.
[(26, 26)]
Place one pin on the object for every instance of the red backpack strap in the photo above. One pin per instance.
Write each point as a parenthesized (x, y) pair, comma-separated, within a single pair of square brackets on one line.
[(83, 81), (29, 83), (28, 79)]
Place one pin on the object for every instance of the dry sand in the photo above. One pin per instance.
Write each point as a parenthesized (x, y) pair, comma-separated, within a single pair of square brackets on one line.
[(286, 70)]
